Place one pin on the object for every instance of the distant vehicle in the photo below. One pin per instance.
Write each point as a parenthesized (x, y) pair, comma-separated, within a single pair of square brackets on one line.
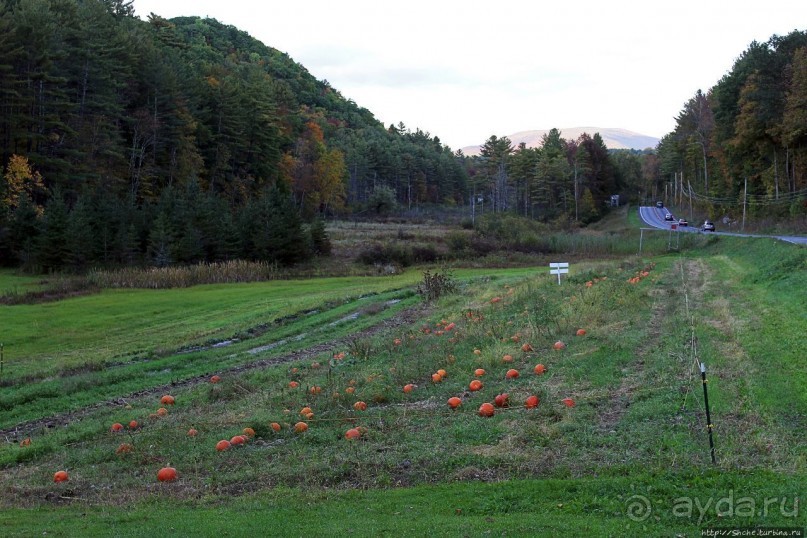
[(707, 226), (668, 216), (683, 222), (659, 204)]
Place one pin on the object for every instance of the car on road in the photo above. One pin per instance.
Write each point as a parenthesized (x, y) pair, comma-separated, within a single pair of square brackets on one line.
[(707, 226), (668, 216), (683, 222), (659, 204)]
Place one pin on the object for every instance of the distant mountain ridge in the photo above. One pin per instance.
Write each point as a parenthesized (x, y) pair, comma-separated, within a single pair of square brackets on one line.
[(614, 138)]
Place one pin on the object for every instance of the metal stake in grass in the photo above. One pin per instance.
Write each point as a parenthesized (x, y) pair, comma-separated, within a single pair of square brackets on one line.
[(2, 361), (709, 425)]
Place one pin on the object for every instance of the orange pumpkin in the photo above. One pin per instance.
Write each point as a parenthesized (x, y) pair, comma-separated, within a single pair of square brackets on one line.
[(236, 440), (486, 410), (167, 400), (304, 411), (117, 427), (223, 445), (161, 412), (442, 373), (436, 378), (408, 388), (192, 432), (507, 358), (539, 369), (315, 390), (479, 372), (526, 348), (475, 385), (512, 373), (559, 345), (26, 442), (249, 432), (531, 402), (300, 427), (397, 342), (502, 400), (360, 406), (350, 390), (215, 379), (60, 476), (293, 384), (133, 424), (167, 474), (352, 433), (275, 426), (581, 332), (568, 402), (454, 402)]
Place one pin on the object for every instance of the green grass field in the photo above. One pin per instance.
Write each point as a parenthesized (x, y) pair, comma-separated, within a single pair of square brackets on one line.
[(629, 458)]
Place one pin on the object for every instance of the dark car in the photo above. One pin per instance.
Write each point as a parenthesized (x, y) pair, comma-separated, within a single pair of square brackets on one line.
[(668, 216), (683, 222), (659, 204), (707, 226)]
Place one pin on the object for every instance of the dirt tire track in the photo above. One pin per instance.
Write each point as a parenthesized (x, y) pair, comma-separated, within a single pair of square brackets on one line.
[(25, 429)]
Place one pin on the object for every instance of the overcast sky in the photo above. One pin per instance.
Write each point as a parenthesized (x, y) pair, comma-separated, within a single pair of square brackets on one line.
[(465, 70)]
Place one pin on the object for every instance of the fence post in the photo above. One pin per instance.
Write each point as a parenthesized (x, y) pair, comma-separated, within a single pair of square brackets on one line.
[(709, 425)]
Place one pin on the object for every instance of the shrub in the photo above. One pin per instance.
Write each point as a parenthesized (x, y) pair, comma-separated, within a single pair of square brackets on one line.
[(434, 285)]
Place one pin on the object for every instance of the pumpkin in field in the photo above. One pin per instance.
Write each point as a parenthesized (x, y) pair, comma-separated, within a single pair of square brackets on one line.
[(132, 424), (223, 445), (352, 433), (300, 427), (436, 378), (305, 411), (26, 442), (192, 432), (507, 358), (275, 426), (558, 346), (293, 384), (315, 390), (454, 402), (117, 427), (477, 351), (442, 373), (539, 369), (479, 372), (237, 440), (512, 373), (581, 332), (350, 390), (568, 402), (502, 400), (408, 388), (360, 406), (397, 342), (475, 385), (486, 410), (161, 412), (249, 432), (215, 379), (167, 474), (531, 402), (60, 476), (526, 348), (167, 400)]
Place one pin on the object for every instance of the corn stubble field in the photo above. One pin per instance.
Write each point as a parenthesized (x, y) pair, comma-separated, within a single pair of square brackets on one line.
[(511, 406)]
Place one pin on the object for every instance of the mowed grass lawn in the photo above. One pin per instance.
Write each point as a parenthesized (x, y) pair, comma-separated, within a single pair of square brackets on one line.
[(629, 458)]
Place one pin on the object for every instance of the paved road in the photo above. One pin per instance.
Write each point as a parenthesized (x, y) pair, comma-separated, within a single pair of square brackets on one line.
[(654, 216)]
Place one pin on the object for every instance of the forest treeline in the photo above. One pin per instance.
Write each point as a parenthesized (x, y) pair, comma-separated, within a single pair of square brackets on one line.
[(745, 139), (154, 142)]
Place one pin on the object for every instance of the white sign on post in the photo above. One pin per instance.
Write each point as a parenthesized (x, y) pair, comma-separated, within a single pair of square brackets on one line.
[(558, 269)]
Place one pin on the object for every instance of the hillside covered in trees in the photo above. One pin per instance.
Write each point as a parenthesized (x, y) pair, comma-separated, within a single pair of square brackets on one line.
[(127, 141), (751, 126)]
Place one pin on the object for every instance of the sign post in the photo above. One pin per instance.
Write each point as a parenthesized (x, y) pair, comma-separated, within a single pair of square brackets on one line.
[(559, 269)]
